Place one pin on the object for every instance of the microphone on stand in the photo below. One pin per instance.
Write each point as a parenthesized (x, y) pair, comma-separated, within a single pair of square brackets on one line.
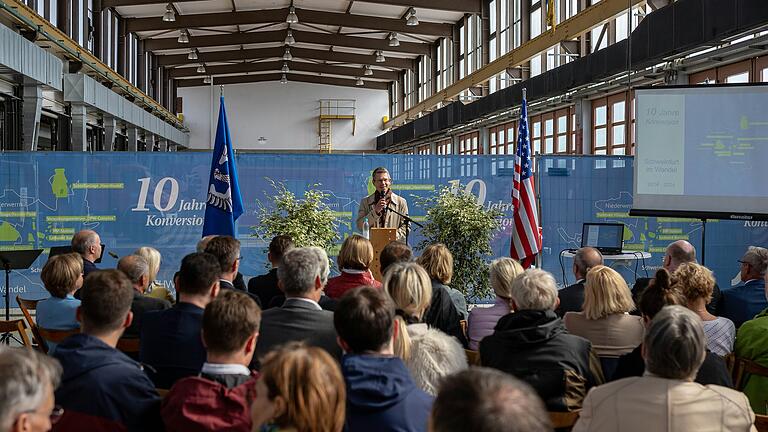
[(113, 255)]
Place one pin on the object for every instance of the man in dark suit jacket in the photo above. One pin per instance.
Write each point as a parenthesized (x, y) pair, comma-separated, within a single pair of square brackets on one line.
[(239, 281), (170, 339), (572, 296), (742, 302), (226, 249), (302, 275), (677, 253), (265, 286), (137, 270)]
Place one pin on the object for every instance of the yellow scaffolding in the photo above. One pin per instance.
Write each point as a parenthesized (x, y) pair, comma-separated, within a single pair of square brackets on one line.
[(333, 109)]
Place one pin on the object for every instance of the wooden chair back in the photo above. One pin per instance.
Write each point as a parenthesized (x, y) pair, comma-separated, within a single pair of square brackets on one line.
[(162, 392), (16, 326), (563, 420), (128, 345), (55, 336), (743, 368), (27, 305), (473, 357), (761, 423), (464, 326)]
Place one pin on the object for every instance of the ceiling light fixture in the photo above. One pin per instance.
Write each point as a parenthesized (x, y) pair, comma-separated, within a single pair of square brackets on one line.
[(208, 79), (287, 56), (393, 40), (411, 19), (292, 18), (201, 68), (359, 82), (170, 14), (367, 71), (289, 39), (183, 36), (380, 57), (283, 79), (285, 68), (192, 55)]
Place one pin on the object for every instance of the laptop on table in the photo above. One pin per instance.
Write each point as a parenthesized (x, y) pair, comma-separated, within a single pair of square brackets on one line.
[(608, 238)]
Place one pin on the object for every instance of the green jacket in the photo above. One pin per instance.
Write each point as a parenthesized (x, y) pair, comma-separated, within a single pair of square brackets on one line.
[(752, 344)]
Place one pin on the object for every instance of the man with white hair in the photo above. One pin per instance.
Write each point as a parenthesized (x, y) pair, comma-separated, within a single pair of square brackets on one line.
[(742, 302), (27, 382), (665, 398), (88, 244), (302, 275), (532, 344)]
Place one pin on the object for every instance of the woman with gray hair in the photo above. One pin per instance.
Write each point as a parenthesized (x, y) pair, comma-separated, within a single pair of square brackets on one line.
[(666, 398), (27, 382)]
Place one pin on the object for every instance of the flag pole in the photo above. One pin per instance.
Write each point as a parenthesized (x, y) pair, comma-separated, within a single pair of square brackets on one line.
[(221, 90)]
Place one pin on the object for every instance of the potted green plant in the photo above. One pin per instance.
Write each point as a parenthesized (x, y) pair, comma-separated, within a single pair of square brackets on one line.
[(455, 219)]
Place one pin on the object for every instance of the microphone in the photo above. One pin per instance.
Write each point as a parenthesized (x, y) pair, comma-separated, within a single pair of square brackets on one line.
[(113, 255)]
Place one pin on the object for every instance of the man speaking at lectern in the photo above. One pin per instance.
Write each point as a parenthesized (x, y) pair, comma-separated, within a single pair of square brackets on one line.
[(380, 206)]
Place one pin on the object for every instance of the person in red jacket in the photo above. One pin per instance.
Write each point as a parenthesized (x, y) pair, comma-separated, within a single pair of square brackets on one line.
[(219, 397), (354, 260)]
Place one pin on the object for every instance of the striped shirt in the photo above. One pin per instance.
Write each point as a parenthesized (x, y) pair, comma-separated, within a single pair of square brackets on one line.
[(720, 334)]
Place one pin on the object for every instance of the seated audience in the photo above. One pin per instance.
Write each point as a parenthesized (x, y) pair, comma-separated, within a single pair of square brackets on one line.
[(482, 399), (62, 275), (409, 288), (742, 302), (239, 281), (102, 388), (354, 260), (302, 275), (381, 396), (606, 321), (663, 291), (170, 340), (137, 270), (752, 344), (265, 286), (325, 302), (226, 249), (532, 344), (572, 296), (219, 398), (300, 389), (677, 253), (394, 252), (665, 398), (482, 320), (434, 355), (155, 288), (696, 282), (437, 260), (27, 382)]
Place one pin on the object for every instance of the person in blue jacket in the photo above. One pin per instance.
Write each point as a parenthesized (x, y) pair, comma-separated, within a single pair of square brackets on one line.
[(747, 299), (381, 395), (101, 388)]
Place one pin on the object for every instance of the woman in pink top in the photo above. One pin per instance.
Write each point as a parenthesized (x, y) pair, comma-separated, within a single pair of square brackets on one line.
[(354, 260), (482, 320)]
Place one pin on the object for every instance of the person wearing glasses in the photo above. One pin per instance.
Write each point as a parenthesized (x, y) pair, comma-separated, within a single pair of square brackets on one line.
[(377, 206), (27, 381), (742, 302)]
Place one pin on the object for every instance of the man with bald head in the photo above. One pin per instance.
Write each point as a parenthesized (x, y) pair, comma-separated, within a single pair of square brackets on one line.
[(572, 296), (137, 270), (678, 252), (88, 244)]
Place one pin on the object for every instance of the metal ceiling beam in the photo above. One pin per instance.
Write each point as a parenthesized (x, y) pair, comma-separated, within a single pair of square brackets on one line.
[(274, 66), (279, 15), (467, 6), (302, 53), (276, 77), (568, 29), (279, 36)]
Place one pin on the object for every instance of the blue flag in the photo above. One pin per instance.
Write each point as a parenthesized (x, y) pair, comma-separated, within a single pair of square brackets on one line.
[(224, 202)]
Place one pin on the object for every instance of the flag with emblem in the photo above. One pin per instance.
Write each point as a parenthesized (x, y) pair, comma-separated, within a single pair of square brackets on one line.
[(224, 204), (526, 238)]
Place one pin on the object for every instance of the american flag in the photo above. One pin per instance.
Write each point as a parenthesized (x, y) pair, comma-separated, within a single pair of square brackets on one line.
[(526, 239)]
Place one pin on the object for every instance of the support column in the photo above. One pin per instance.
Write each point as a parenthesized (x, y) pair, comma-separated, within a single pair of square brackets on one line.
[(32, 107), (150, 140), (583, 114), (485, 147), (132, 134), (110, 126), (164, 145), (79, 121)]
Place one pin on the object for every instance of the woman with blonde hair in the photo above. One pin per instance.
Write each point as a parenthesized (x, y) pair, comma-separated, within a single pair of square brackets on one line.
[(409, 287), (153, 258), (696, 283), (448, 306), (605, 320), (300, 389), (354, 261), (483, 320)]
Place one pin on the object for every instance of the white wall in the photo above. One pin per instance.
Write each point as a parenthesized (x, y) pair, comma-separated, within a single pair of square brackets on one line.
[(285, 114)]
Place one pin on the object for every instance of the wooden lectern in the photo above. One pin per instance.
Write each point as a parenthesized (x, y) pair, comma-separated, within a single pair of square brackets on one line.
[(380, 238)]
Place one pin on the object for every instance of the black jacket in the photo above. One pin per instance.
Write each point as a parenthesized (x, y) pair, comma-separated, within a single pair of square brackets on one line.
[(265, 287), (443, 315), (297, 320), (140, 305), (712, 371), (571, 298), (535, 347), (642, 283)]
